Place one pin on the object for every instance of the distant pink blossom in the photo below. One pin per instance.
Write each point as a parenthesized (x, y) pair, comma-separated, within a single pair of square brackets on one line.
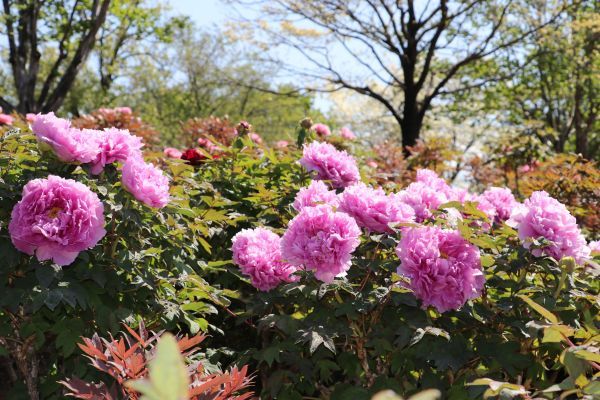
[(524, 169), (56, 219), (543, 217), (347, 134), (123, 110), (372, 164), (30, 117), (145, 182), (330, 164), (373, 209), (172, 152), (321, 240), (502, 200), (321, 130), (6, 119), (255, 137), (282, 144), (208, 145), (69, 144), (115, 145), (315, 193), (444, 269), (594, 246), (258, 254)]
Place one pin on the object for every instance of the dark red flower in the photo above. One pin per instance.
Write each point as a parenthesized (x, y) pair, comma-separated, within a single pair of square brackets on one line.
[(193, 156)]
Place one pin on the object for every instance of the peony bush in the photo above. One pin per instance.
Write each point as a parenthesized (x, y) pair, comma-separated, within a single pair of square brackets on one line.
[(293, 264)]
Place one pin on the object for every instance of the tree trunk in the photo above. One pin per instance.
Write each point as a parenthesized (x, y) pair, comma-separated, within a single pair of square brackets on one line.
[(411, 123)]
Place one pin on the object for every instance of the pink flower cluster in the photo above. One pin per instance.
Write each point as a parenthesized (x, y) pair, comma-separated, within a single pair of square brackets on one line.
[(373, 209), (100, 148), (85, 146), (70, 145), (330, 164), (258, 254), (543, 217), (321, 240), (444, 269), (314, 194), (56, 219)]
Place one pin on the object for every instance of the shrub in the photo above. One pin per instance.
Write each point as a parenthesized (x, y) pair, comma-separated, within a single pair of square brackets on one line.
[(149, 264), (120, 118), (460, 300), (524, 333)]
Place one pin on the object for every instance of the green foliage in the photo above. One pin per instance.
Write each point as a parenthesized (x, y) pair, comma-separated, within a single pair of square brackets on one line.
[(533, 332), (354, 337), (149, 265)]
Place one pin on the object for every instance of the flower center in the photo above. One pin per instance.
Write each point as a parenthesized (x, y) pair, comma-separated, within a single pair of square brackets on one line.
[(54, 212)]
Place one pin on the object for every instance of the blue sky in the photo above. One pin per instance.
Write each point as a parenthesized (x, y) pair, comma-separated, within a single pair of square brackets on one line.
[(203, 12), (206, 13)]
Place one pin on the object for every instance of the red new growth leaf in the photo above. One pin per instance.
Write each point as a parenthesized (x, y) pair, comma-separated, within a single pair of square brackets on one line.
[(127, 358)]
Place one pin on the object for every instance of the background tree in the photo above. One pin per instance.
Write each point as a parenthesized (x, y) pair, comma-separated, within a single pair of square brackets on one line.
[(410, 52), (50, 42), (29, 27), (552, 92)]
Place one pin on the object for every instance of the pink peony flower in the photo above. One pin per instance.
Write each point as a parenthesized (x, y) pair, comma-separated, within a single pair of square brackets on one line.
[(314, 194), (56, 219), (321, 129), (145, 182), (282, 144), (321, 240), (69, 144), (502, 200), (347, 134), (373, 209), (444, 269), (258, 254), (115, 145), (432, 179), (172, 152), (330, 164), (428, 192), (486, 207), (6, 119), (543, 217)]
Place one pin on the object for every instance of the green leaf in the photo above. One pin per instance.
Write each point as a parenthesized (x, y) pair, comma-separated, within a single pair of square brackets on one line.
[(168, 378), (430, 394), (386, 395), (545, 313), (45, 275)]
